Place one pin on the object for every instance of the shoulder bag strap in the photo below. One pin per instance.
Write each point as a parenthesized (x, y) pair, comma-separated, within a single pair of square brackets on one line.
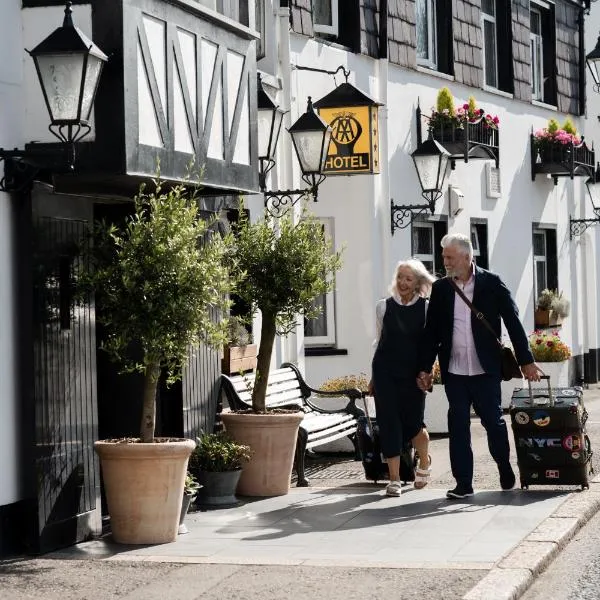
[(476, 312)]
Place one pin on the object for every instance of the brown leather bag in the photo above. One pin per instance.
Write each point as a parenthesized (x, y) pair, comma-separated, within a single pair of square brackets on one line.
[(509, 366)]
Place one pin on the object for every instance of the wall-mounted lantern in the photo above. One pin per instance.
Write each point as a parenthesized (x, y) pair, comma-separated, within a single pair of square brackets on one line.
[(592, 60), (354, 120), (69, 66), (431, 162), (578, 226), (310, 137)]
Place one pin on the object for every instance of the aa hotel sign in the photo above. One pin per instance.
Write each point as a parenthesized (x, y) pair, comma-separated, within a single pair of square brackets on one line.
[(353, 117)]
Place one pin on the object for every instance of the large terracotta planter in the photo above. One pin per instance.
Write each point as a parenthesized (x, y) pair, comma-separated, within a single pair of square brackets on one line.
[(272, 438), (144, 488)]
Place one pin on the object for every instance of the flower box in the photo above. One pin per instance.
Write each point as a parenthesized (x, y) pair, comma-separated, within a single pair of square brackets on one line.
[(546, 318)]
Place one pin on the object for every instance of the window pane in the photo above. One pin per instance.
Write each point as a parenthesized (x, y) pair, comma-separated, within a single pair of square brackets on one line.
[(422, 29), (260, 27), (539, 244), (540, 276), (428, 265), (489, 7), (536, 22), (489, 42), (318, 325), (322, 14), (422, 240)]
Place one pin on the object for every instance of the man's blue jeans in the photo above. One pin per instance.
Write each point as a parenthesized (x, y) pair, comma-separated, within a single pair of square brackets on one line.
[(483, 392)]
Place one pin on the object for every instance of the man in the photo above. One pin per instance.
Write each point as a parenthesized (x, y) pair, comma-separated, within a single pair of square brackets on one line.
[(469, 358)]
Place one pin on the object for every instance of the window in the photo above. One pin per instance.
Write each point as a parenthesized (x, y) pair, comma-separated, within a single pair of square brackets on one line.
[(496, 28), (426, 238), (325, 16), (434, 34), (537, 65), (320, 331), (490, 47), (544, 261), (426, 33), (542, 41), (479, 239)]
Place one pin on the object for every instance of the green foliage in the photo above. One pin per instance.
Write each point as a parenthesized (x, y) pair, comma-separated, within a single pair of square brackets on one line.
[(553, 126), (162, 279), (569, 126), (284, 269), (216, 452), (472, 107), (191, 485), (445, 101)]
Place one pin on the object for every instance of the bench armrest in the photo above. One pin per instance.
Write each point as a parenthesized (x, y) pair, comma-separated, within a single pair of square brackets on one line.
[(353, 394)]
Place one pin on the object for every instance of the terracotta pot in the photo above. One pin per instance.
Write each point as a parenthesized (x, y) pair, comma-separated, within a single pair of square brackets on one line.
[(144, 488), (546, 318), (272, 438)]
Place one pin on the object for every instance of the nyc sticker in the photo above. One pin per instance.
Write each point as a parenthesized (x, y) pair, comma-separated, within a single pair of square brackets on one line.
[(521, 418), (541, 418)]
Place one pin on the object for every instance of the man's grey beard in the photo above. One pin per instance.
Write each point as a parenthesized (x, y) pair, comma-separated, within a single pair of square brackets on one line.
[(450, 272)]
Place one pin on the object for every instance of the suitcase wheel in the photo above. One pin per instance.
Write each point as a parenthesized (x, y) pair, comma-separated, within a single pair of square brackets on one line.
[(585, 486), (524, 486)]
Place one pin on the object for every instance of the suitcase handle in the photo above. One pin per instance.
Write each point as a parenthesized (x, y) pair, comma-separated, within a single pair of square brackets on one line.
[(550, 401)]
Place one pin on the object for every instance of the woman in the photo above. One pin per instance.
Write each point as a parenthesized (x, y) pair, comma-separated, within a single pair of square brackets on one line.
[(399, 402)]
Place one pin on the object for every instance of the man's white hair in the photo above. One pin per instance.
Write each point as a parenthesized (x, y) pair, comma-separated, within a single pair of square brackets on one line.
[(460, 241)]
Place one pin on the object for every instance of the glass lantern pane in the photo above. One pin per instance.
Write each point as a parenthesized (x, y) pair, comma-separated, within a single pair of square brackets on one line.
[(427, 170), (325, 149), (60, 76), (308, 147), (92, 74), (264, 131)]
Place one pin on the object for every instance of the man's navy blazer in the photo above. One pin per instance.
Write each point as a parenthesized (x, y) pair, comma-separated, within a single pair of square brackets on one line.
[(494, 300)]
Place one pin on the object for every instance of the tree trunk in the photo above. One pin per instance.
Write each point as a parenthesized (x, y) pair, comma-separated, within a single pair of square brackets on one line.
[(263, 363), (149, 408)]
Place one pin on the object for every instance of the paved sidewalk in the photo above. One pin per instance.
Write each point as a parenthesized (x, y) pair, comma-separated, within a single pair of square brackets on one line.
[(340, 539)]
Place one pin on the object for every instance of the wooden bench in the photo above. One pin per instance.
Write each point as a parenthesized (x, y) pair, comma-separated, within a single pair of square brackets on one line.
[(287, 389)]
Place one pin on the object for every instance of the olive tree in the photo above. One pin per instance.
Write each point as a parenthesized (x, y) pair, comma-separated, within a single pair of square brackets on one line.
[(162, 280), (284, 266)]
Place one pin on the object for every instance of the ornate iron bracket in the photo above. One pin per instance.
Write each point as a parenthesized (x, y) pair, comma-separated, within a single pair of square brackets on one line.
[(21, 167), (404, 214), (278, 202)]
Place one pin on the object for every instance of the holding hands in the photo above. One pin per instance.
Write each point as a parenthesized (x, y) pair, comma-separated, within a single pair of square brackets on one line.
[(424, 381)]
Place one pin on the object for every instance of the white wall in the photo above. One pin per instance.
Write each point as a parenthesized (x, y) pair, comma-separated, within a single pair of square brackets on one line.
[(360, 204), (11, 135)]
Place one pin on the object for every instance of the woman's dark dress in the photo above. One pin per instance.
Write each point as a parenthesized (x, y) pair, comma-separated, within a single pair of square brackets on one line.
[(399, 402)]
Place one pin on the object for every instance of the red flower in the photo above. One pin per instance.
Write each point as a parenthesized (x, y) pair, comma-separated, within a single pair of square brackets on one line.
[(549, 343)]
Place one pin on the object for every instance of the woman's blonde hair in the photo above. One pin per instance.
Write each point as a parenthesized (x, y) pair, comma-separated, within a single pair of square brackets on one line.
[(424, 278)]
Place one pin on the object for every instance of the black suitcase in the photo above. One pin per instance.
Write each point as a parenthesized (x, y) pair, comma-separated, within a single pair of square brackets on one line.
[(367, 435), (549, 429)]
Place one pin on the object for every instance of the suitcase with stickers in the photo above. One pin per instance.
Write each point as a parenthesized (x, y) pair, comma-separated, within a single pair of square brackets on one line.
[(549, 429)]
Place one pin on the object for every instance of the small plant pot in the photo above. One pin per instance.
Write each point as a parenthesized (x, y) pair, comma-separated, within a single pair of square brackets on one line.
[(186, 502), (218, 488)]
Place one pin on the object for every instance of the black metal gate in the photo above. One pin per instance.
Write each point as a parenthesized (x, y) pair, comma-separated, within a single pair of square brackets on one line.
[(64, 384)]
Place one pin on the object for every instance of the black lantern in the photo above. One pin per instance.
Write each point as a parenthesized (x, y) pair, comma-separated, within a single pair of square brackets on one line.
[(68, 65), (578, 226), (431, 162), (270, 117), (311, 137), (592, 60)]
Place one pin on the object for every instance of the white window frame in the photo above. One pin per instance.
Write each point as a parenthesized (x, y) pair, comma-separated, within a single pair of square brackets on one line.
[(490, 19), (330, 338), (539, 258), (536, 46), (430, 61), (424, 257), (475, 241), (328, 29)]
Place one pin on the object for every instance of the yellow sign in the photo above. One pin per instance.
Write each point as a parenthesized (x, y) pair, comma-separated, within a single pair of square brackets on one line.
[(354, 147)]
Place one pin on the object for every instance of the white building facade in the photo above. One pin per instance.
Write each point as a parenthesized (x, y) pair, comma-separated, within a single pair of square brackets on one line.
[(521, 227)]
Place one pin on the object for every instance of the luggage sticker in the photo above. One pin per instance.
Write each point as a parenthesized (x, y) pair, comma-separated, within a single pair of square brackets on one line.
[(575, 455), (568, 392), (552, 474), (572, 443), (541, 418), (521, 418)]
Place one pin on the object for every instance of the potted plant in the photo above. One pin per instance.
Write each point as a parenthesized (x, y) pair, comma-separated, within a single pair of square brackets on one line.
[(239, 354), (551, 308), (159, 280), (284, 269), (217, 462), (190, 490), (552, 355), (444, 122)]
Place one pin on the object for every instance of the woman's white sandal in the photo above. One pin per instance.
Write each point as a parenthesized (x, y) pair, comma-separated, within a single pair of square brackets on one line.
[(394, 488)]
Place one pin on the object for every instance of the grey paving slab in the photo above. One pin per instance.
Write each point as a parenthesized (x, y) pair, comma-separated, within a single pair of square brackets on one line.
[(357, 526)]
